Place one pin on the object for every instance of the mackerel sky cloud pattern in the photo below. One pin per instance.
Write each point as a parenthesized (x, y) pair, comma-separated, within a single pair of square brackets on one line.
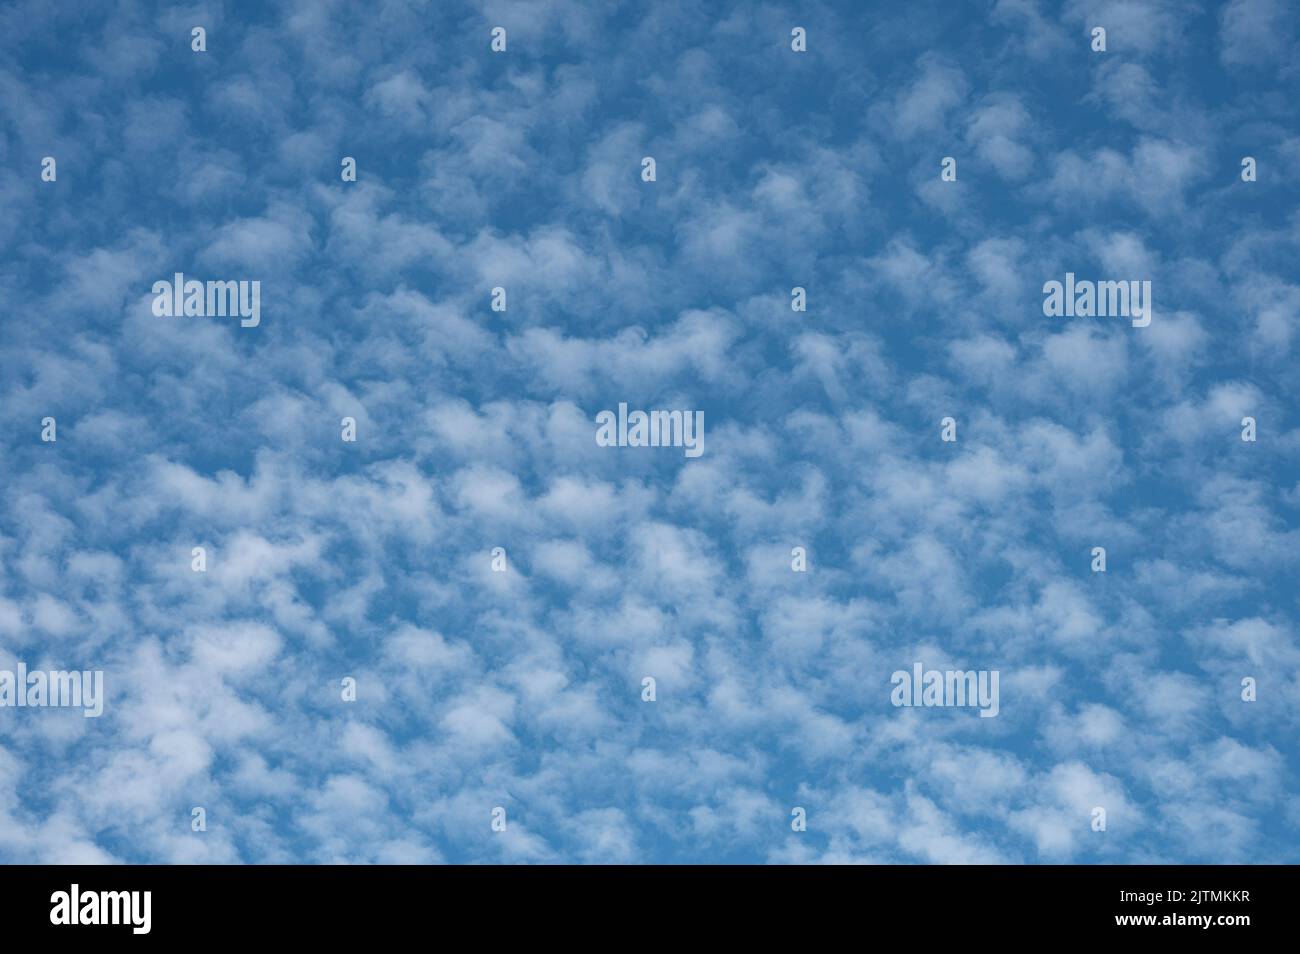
[(837, 274)]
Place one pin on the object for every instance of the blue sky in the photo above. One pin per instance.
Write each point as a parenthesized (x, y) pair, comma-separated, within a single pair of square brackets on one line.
[(475, 429)]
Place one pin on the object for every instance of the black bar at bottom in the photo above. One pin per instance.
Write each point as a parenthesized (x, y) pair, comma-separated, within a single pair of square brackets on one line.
[(1219, 904)]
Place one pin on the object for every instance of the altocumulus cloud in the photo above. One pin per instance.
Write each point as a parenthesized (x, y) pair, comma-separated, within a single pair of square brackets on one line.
[(364, 586)]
